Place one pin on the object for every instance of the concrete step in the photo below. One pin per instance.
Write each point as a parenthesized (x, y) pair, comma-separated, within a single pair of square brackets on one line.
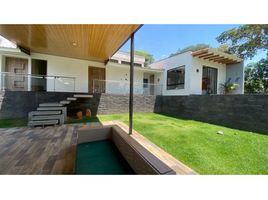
[(44, 112), (42, 123), (71, 99), (62, 109), (60, 118), (65, 102), (83, 95), (50, 104)]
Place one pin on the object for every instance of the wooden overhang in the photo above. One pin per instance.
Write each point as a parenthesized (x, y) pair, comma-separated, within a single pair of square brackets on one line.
[(97, 42), (215, 55)]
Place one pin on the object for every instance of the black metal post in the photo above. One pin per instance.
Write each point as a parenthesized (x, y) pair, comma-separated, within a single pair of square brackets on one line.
[(131, 74)]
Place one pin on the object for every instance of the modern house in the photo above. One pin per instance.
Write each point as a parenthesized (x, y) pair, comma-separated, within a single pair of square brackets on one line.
[(43, 72), (200, 72), (188, 73)]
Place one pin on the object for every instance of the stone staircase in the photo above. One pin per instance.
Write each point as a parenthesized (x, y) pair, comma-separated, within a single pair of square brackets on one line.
[(52, 113)]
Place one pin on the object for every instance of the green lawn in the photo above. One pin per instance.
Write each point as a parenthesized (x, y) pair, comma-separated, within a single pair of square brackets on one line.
[(198, 146), (10, 123)]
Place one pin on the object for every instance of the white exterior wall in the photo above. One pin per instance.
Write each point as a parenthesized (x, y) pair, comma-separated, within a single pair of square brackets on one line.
[(116, 74), (125, 56), (69, 67), (173, 62), (62, 66), (117, 80), (196, 77)]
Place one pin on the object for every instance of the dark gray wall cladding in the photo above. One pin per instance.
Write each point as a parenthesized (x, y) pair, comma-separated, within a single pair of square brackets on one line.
[(112, 104), (120, 104), (18, 104), (245, 112)]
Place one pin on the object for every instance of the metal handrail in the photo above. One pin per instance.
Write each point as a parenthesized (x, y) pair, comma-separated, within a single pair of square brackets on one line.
[(59, 79), (122, 87), (37, 75)]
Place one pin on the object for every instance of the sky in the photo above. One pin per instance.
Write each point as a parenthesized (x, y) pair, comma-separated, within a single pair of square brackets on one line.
[(162, 40)]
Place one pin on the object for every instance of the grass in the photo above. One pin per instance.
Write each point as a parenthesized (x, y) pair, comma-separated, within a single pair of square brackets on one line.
[(10, 123), (199, 146)]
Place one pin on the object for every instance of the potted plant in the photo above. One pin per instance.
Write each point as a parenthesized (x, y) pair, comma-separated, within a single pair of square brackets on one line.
[(228, 88)]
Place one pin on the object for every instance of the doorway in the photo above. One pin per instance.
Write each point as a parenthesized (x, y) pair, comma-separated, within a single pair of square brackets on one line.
[(39, 73), (209, 80), (96, 80), (151, 84), (17, 79)]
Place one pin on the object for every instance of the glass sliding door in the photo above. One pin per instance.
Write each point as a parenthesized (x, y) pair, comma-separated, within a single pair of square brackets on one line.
[(209, 80)]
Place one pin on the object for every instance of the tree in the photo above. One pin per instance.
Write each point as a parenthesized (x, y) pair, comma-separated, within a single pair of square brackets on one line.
[(224, 48), (148, 57), (191, 48), (256, 77), (246, 40)]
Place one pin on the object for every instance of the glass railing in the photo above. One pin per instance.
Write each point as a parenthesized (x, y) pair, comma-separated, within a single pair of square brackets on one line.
[(30, 82), (118, 87)]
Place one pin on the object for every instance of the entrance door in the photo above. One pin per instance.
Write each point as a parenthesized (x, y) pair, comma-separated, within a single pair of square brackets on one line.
[(39, 82), (17, 79), (151, 84), (96, 80), (209, 80)]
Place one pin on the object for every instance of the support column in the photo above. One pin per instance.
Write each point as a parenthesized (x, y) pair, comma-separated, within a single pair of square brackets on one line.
[(131, 74)]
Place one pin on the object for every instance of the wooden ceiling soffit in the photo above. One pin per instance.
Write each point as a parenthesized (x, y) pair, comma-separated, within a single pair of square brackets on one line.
[(97, 42)]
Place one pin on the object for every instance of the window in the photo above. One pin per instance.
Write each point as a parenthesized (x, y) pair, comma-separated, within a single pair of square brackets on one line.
[(114, 60), (128, 63), (145, 83), (175, 78), (125, 63)]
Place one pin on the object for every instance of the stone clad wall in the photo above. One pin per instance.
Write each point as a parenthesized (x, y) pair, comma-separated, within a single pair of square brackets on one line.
[(17, 104), (245, 112)]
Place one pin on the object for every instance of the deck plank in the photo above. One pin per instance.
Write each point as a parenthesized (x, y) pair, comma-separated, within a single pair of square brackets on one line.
[(49, 150)]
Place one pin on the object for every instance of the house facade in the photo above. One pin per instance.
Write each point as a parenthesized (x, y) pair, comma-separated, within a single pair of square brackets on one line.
[(188, 73), (200, 72), (43, 72)]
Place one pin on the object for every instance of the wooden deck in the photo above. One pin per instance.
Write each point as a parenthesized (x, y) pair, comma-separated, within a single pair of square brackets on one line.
[(52, 150), (38, 151)]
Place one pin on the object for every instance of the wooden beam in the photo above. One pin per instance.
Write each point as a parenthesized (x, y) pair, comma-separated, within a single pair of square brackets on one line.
[(223, 60), (215, 56), (204, 56), (200, 52), (213, 59)]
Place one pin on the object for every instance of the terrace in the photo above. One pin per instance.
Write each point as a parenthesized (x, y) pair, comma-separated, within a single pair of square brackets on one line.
[(165, 145)]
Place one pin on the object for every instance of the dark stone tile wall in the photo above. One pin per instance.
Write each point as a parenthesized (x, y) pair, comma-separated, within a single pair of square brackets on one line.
[(17, 104), (112, 104), (245, 112)]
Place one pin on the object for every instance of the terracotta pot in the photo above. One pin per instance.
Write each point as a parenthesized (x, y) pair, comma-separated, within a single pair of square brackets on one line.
[(79, 115), (88, 113)]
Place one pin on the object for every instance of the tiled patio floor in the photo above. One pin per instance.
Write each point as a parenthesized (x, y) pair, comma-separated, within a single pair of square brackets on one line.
[(49, 150)]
